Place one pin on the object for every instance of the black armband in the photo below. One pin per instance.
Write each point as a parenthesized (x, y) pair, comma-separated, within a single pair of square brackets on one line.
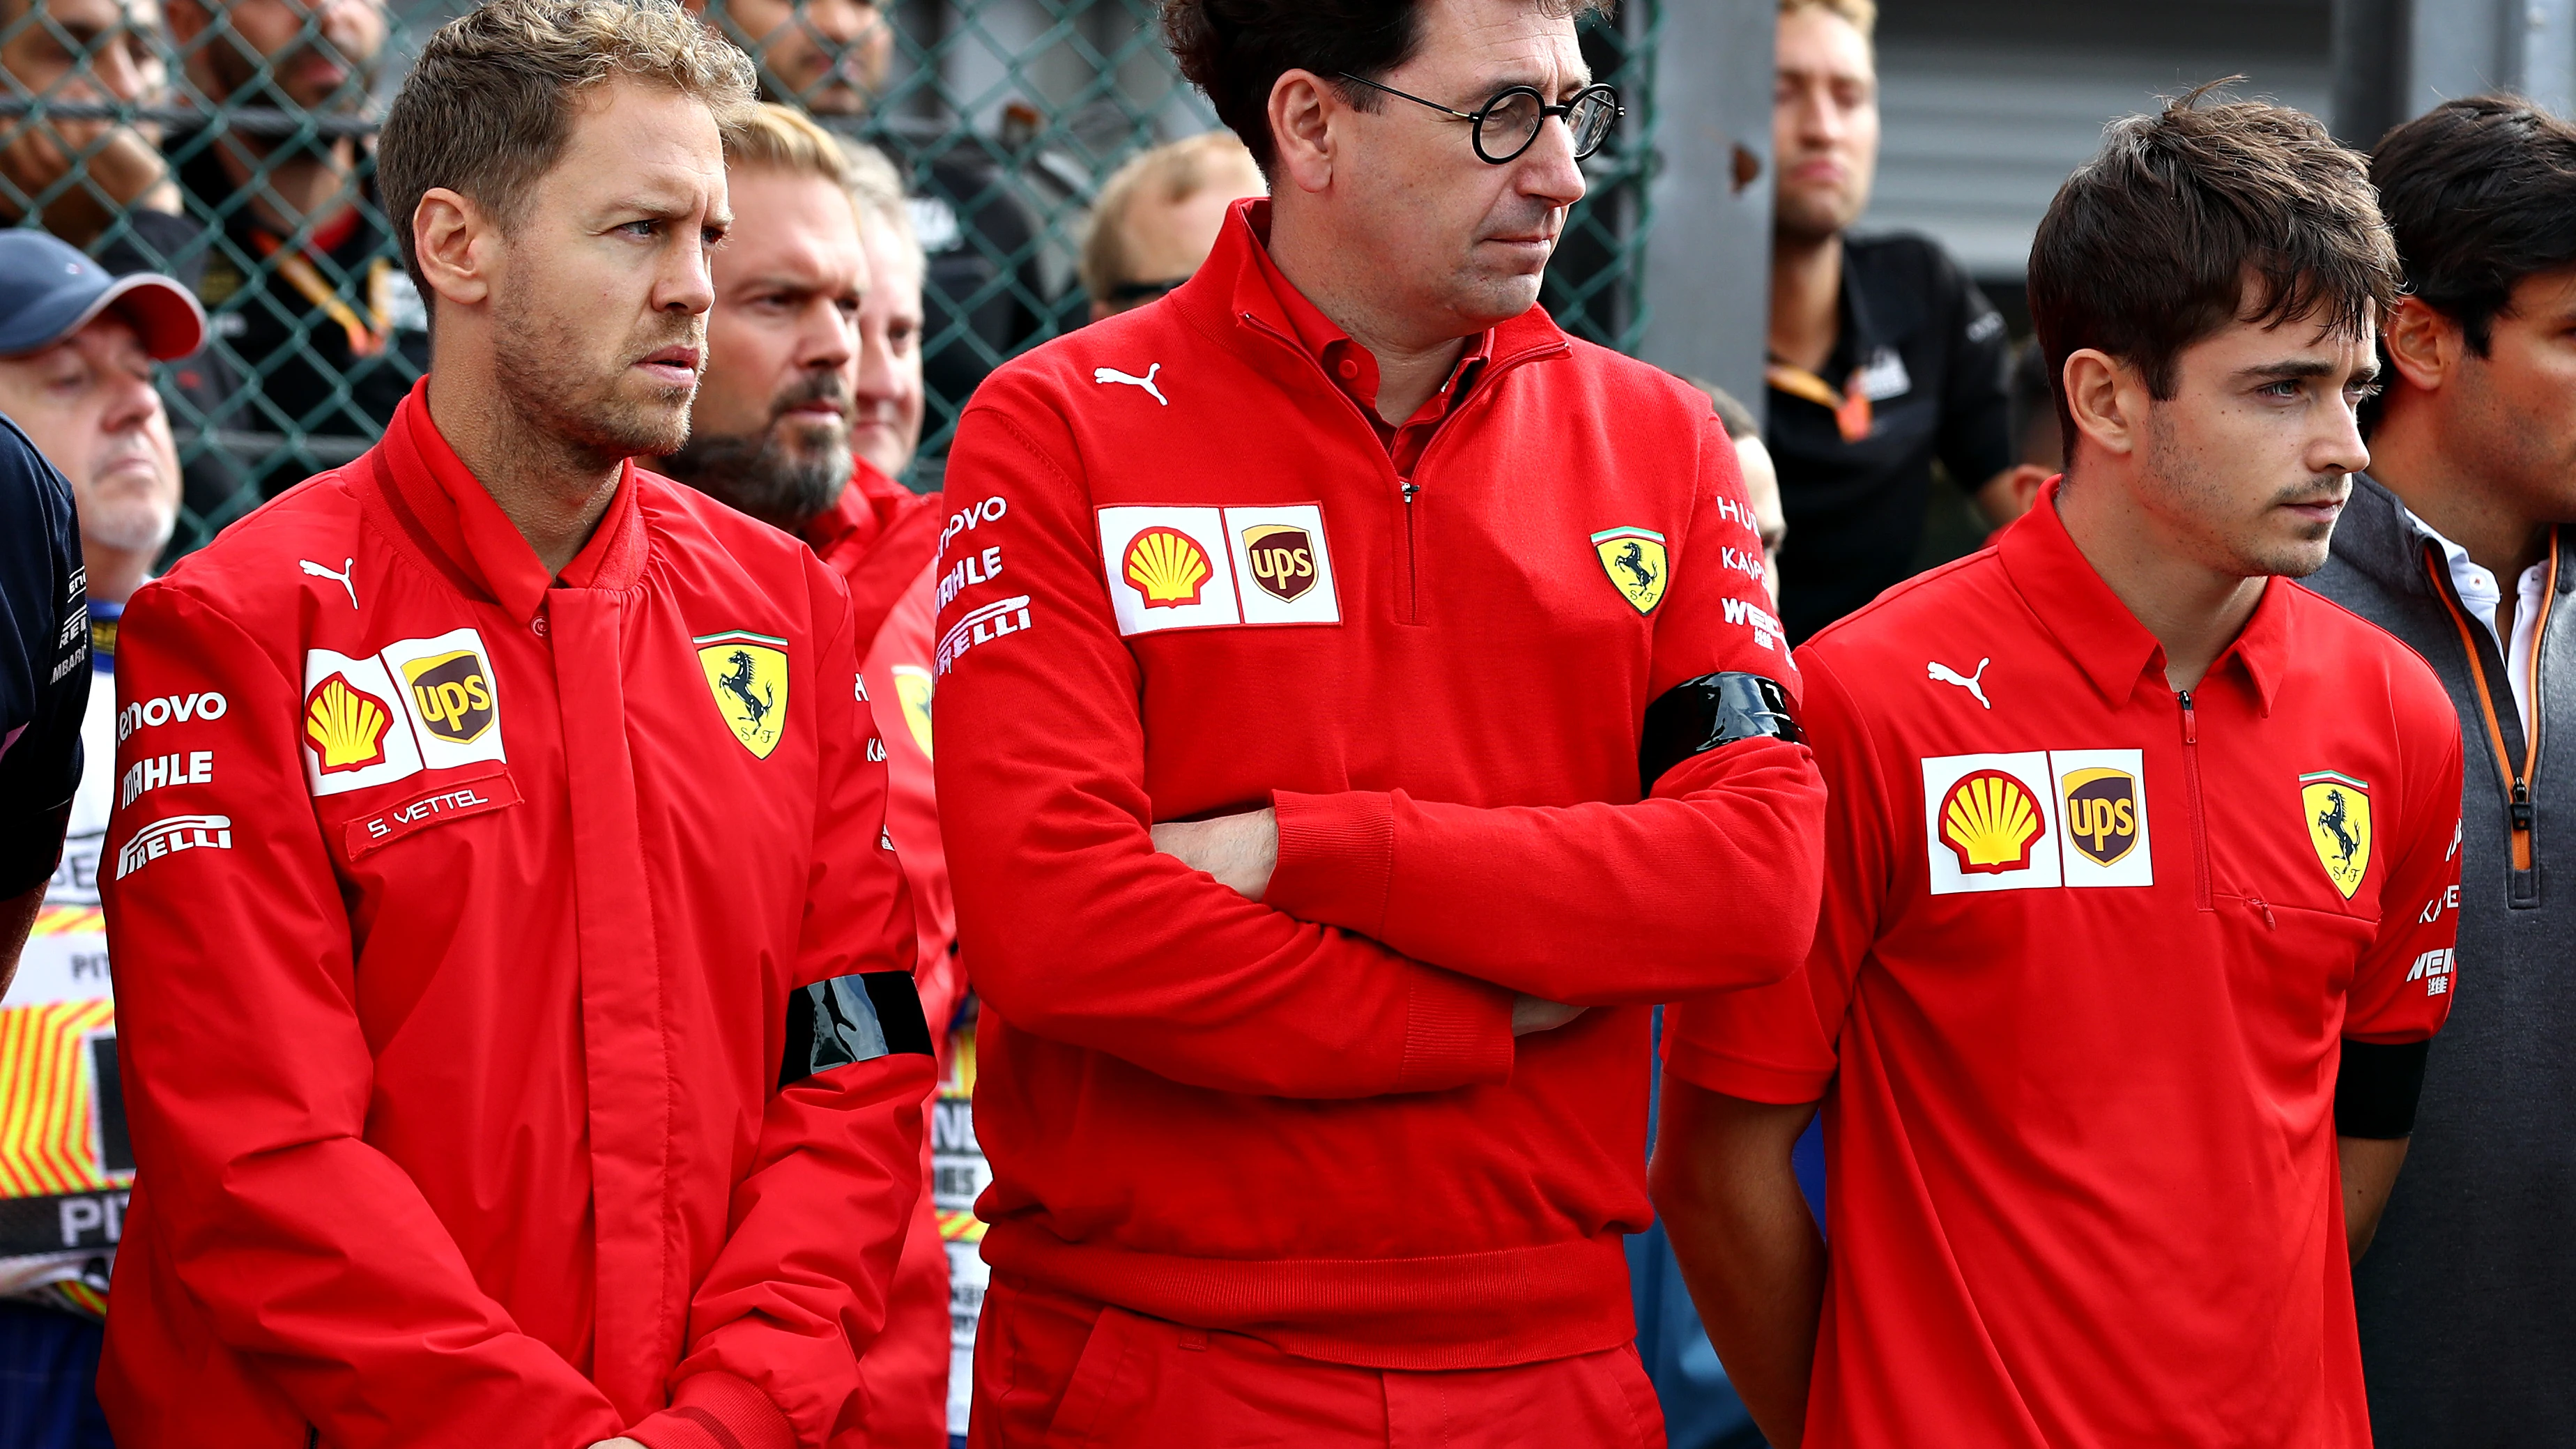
[(2376, 1091), (1698, 715), (851, 1019)]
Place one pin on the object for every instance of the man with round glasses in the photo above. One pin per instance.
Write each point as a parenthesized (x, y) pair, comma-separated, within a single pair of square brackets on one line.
[(1357, 702)]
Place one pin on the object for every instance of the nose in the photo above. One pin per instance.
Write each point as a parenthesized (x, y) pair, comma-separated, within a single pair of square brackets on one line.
[(132, 402), (1548, 169), (828, 341), (838, 22), (2341, 449), (687, 283)]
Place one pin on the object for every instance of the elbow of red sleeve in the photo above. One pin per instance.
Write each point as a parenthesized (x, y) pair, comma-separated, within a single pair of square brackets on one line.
[(1770, 878)]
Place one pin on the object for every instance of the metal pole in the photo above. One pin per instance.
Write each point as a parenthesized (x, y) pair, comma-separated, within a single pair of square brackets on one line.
[(1708, 259)]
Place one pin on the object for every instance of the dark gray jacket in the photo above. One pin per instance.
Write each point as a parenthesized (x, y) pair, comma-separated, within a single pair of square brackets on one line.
[(2468, 1295)]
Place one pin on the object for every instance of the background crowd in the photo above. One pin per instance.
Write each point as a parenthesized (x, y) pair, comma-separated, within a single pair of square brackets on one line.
[(1025, 169)]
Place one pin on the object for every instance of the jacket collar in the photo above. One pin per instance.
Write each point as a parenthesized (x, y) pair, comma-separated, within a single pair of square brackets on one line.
[(1234, 285), (2381, 540), (449, 513), (2098, 632)]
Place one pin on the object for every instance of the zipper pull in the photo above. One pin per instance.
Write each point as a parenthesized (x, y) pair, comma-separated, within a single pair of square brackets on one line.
[(2190, 727), (1409, 490), (2268, 923), (2521, 806)]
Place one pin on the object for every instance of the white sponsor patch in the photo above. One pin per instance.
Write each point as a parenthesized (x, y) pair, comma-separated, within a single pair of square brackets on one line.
[(2434, 969), (146, 714), (363, 721), (196, 767), (1990, 823), (1764, 624), (169, 837), (2102, 804), (1283, 564), (1168, 568)]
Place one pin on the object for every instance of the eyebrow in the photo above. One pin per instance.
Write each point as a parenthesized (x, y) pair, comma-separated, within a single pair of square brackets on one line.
[(2303, 369), (1575, 79)]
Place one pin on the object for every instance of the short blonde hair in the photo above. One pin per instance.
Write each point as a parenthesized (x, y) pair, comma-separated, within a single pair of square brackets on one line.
[(1170, 173), (878, 188), (488, 107), (1861, 15), (780, 138)]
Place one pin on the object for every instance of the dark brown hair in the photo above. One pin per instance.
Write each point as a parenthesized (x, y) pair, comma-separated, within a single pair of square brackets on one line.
[(2209, 213), (2480, 193), (488, 107), (1236, 50)]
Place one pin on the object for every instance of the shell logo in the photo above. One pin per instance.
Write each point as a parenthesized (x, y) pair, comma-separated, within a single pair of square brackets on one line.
[(1167, 566), (345, 725), (1990, 821)]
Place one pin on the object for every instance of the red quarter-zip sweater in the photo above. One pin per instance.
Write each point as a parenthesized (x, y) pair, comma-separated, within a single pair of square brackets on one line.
[(458, 989), (1191, 581)]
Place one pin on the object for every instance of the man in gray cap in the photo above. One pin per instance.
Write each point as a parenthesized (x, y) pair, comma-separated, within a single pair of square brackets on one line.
[(77, 351)]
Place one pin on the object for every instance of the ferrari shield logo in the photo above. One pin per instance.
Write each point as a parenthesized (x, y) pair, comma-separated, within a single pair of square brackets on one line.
[(912, 689), (1634, 559), (747, 674), (2338, 810)]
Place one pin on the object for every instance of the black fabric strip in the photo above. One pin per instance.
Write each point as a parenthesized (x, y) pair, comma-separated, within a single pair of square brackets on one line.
[(2375, 1094), (851, 1019), (1698, 715)]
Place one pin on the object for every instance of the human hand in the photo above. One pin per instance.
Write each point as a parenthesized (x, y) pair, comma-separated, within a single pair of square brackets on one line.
[(1530, 1014), (1241, 851)]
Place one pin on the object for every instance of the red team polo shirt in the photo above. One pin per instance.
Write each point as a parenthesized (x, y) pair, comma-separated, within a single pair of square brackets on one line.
[(2087, 951)]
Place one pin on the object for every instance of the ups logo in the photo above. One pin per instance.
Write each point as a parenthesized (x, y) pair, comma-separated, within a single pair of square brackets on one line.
[(2102, 813), (452, 695), (1282, 559)]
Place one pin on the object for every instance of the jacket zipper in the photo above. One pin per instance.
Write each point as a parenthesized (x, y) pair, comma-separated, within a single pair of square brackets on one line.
[(2191, 785), (1410, 611), (2515, 776)]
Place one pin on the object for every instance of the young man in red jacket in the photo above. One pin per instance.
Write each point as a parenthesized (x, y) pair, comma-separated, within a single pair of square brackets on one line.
[(1357, 704), (770, 433), (2141, 856), (517, 1026)]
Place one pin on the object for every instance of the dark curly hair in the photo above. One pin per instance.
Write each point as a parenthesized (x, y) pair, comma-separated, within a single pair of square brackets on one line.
[(1236, 50), (2149, 246)]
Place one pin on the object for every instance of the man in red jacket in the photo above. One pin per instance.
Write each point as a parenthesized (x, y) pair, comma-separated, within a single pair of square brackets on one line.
[(2143, 859), (1358, 703), (521, 1049), (770, 434)]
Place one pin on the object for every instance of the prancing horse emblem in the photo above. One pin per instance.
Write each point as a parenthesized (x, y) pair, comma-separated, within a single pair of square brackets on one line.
[(747, 675), (1111, 374), (1941, 673)]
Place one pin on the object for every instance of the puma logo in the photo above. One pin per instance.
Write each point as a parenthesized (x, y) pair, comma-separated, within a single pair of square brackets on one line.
[(1944, 674), (348, 566), (1111, 374)]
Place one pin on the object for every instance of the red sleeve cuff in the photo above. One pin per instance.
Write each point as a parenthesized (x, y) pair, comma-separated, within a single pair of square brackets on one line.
[(716, 1410), (1733, 1076), (1336, 859), (1457, 1033)]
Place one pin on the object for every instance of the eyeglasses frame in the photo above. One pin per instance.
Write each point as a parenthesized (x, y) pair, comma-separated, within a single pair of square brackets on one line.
[(1476, 118)]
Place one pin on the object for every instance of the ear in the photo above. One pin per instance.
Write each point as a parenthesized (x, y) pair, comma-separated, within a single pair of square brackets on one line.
[(451, 235), (2109, 400), (1302, 109), (2423, 345)]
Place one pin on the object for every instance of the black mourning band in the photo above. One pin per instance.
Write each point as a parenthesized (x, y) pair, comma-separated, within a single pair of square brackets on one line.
[(2376, 1091), (851, 1019), (1698, 715)]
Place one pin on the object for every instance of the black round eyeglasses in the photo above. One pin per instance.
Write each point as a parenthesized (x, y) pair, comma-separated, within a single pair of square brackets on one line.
[(1504, 126)]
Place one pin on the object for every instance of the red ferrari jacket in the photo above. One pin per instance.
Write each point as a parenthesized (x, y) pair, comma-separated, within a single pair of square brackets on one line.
[(882, 539), (521, 1048), (1182, 577)]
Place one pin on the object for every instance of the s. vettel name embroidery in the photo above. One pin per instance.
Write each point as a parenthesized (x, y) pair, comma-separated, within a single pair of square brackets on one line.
[(453, 801)]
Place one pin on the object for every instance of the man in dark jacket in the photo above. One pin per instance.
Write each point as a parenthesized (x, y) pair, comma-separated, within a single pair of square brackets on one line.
[(2453, 544)]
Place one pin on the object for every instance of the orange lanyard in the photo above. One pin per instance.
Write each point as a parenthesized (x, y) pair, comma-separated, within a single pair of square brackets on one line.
[(2517, 776), (1850, 406), (367, 337)]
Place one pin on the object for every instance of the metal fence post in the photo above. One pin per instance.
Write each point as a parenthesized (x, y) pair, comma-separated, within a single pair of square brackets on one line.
[(1708, 258)]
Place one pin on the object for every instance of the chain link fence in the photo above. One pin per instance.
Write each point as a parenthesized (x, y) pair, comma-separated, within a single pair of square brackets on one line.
[(229, 143)]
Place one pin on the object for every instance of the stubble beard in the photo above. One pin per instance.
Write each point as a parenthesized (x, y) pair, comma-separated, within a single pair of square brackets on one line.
[(537, 362), (2248, 550)]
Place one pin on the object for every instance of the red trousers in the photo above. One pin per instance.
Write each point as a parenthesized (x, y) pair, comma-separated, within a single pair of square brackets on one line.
[(1058, 1372)]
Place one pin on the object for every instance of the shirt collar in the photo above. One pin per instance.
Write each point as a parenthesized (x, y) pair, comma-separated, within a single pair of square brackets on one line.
[(2099, 633), (1351, 366), (460, 519), (867, 505)]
